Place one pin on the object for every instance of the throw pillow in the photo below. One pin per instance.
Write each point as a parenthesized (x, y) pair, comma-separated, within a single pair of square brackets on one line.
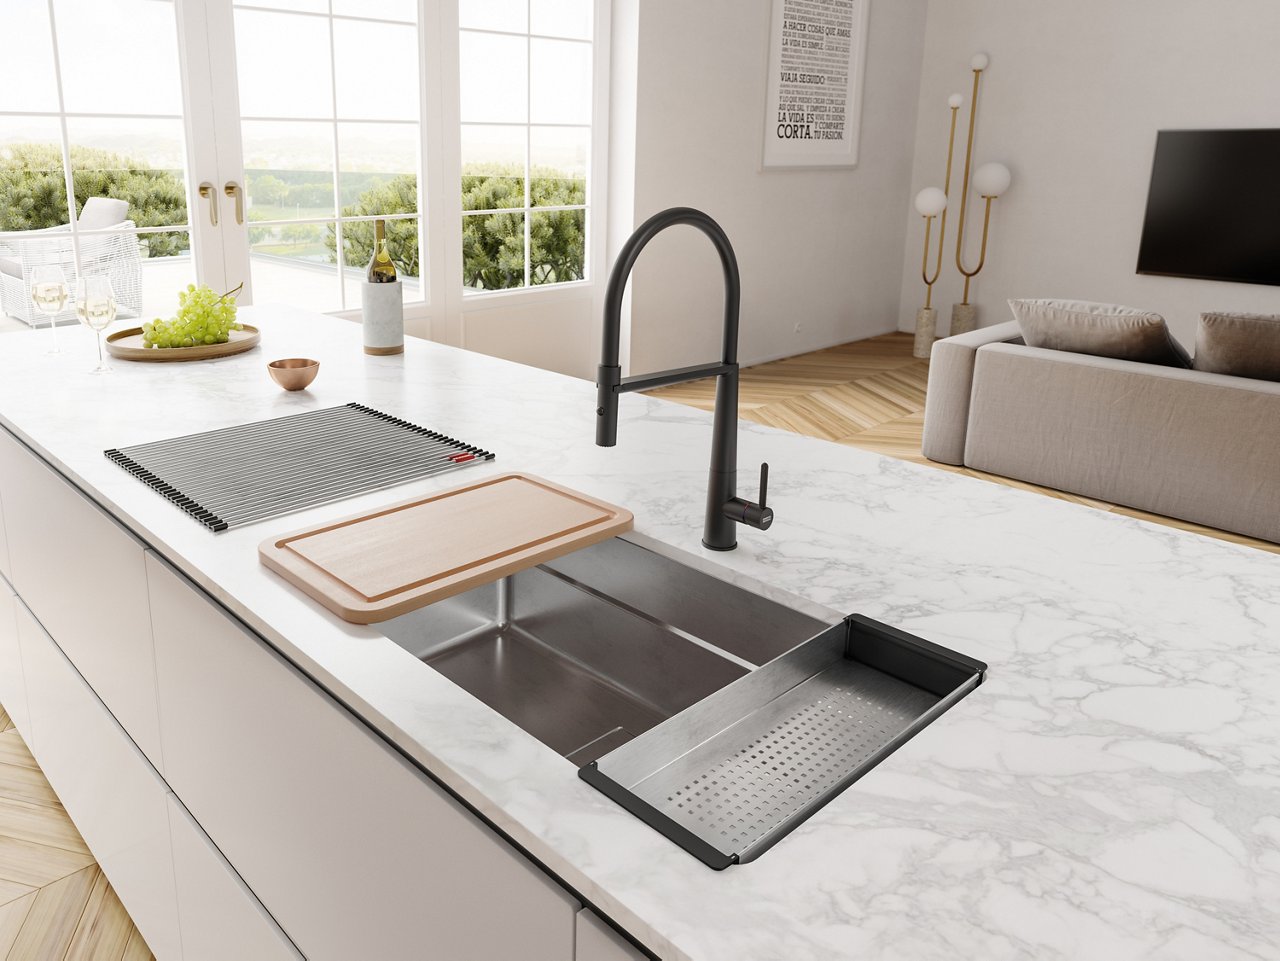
[(100, 212), (1246, 345), (1101, 330)]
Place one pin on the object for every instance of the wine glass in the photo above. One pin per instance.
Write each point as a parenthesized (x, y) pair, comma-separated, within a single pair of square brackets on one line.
[(49, 294), (96, 308)]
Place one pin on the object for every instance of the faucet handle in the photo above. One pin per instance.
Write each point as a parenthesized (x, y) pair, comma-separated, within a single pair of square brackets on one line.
[(748, 512)]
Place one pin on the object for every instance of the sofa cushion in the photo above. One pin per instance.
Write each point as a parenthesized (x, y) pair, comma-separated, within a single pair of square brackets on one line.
[(1246, 345), (1101, 330), (11, 267), (100, 212)]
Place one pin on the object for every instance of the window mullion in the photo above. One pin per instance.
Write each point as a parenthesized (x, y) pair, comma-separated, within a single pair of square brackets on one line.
[(528, 147), (67, 173), (340, 252)]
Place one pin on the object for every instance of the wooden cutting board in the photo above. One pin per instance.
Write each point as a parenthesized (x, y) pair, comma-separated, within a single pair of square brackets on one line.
[(379, 565)]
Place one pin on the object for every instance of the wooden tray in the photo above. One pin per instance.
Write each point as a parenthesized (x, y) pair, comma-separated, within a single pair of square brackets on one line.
[(376, 566), (127, 345)]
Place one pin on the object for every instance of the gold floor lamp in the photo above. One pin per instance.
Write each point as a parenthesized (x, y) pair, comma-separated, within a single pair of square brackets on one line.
[(931, 203), (990, 181)]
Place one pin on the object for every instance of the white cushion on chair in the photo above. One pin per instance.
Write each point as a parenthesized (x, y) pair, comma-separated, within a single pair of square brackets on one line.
[(10, 267), (102, 212)]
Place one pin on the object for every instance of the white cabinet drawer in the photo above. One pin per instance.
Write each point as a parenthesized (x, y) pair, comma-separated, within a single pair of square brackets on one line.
[(6, 571), (113, 795), (353, 851), (82, 575), (599, 942), (13, 689), (220, 917)]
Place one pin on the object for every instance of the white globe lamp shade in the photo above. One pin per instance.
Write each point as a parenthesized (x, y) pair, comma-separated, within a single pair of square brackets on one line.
[(930, 202), (955, 100), (991, 180), (979, 61)]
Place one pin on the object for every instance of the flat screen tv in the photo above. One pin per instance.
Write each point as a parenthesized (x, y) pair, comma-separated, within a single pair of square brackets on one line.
[(1213, 210)]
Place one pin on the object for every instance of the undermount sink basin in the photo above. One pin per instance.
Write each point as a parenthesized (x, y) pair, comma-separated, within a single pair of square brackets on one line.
[(717, 716), (588, 651)]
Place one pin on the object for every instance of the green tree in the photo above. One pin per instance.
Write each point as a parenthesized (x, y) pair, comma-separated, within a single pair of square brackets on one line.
[(33, 190), (557, 237), (397, 196), (492, 244), (309, 195), (269, 189), (296, 235)]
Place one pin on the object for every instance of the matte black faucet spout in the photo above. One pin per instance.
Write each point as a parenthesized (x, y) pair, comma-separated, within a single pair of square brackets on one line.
[(725, 510)]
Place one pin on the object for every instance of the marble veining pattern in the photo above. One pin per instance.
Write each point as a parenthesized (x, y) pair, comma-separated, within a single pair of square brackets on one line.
[(1111, 792)]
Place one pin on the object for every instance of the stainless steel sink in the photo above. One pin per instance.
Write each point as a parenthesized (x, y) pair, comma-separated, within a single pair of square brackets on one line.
[(719, 717), (595, 648)]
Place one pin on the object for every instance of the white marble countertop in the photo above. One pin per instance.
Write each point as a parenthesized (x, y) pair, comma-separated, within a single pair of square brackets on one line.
[(1111, 792)]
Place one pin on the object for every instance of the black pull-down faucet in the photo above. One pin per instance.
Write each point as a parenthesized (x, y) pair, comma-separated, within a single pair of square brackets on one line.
[(725, 510)]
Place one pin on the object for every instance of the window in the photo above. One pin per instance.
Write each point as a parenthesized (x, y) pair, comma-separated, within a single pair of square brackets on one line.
[(77, 129), (251, 144), (330, 134), (525, 91)]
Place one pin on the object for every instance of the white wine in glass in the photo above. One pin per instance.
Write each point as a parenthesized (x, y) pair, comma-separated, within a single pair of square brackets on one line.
[(96, 308), (49, 294)]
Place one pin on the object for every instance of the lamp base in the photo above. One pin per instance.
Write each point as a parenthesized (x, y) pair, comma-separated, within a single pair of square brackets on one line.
[(964, 318), (926, 331)]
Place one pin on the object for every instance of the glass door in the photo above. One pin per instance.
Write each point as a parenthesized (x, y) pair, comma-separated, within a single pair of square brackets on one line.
[(96, 161), (320, 137)]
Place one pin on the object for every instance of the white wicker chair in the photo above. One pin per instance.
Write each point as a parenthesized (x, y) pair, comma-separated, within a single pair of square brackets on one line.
[(116, 255)]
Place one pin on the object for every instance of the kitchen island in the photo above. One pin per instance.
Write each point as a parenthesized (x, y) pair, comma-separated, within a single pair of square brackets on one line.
[(1111, 791)]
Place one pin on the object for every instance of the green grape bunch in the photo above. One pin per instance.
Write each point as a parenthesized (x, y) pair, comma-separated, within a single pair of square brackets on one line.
[(203, 317)]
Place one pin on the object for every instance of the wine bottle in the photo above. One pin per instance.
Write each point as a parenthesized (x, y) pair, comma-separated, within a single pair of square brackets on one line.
[(381, 269)]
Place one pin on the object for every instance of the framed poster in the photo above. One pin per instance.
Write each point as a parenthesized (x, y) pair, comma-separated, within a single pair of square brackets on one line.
[(817, 50)]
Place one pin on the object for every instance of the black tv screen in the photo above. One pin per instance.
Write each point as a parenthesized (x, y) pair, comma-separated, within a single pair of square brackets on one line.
[(1213, 210)]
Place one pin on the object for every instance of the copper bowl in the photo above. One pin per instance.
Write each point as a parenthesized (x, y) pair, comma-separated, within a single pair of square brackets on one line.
[(293, 373)]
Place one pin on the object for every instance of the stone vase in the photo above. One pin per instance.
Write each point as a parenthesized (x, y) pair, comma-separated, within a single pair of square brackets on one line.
[(964, 318), (926, 331), (383, 309)]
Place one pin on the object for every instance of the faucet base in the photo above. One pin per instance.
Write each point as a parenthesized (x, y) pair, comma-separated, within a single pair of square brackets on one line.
[(720, 533)]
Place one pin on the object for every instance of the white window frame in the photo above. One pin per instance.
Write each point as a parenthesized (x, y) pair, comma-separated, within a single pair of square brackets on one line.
[(221, 31), (211, 115), (449, 326), (201, 243)]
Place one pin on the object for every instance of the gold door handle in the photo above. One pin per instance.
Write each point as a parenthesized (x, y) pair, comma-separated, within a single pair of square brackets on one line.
[(208, 193), (232, 189)]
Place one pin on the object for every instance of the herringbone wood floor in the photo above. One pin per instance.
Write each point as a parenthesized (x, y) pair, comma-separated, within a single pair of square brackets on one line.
[(55, 902), (870, 394)]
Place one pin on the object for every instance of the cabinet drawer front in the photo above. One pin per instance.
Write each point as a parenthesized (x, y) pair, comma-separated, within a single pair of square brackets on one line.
[(13, 688), (220, 917), (82, 575), (350, 848), (599, 942), (6, 571), (112, 793)]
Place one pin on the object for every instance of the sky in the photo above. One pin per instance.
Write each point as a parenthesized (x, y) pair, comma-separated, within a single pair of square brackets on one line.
[(286, 71)]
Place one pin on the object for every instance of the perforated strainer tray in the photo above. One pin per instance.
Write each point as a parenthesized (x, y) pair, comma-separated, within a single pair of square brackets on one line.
[(730, 776)]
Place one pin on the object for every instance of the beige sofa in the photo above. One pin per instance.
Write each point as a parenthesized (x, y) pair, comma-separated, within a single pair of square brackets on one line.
[(1197, 446)]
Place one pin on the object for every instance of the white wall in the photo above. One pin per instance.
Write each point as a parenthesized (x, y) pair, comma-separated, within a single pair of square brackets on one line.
[(1071, 103), (819, 251)]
